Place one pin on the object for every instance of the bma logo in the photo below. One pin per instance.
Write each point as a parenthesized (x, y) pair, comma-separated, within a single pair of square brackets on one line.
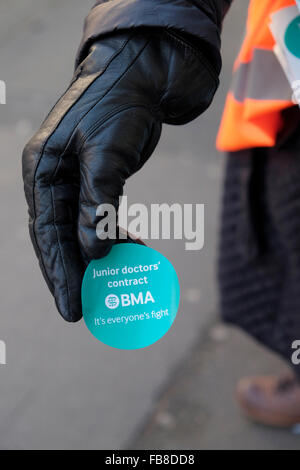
[(112, 301), (2, 92), (2, 353)]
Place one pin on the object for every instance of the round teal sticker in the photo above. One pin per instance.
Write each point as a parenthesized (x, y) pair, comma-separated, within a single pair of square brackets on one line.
[(130, 298), (292, 37)]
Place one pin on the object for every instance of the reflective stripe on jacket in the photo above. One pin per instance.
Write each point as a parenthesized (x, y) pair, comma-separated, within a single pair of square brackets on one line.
[(260, 89)]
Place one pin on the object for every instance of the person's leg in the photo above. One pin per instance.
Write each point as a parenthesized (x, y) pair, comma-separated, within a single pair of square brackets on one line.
[(259, 268), (251, 261)]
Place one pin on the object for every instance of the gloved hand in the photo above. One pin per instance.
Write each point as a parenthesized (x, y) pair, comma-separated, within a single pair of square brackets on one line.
[(100, 132)]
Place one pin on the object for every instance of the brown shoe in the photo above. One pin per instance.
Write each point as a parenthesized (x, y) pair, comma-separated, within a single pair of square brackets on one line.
[(273, 401)]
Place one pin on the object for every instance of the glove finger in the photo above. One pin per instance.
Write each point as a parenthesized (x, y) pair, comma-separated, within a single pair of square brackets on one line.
[(113, 153), (52, 191)]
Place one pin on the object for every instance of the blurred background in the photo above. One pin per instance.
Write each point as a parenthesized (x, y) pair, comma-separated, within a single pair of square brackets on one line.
[(61, 388)]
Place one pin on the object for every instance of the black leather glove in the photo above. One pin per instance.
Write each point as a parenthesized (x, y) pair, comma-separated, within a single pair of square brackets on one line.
[(100, 132)]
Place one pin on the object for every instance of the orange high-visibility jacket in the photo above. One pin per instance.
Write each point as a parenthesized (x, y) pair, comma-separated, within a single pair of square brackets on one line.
[(260, 89)]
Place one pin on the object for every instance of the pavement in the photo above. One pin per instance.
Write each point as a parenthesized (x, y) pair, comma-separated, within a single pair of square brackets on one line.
[(197, 409), (61, 388)]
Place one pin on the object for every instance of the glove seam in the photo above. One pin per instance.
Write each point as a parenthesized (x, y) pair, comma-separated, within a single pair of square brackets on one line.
[(105, 94), (77, 76), (202, 58), (60, 251), (111, 115)]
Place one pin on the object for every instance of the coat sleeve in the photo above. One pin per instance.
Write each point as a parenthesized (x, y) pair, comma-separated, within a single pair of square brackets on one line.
[(200, 19)]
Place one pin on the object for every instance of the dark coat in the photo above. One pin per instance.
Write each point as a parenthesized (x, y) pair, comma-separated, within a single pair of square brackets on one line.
[(259, 263), (200, 19)]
